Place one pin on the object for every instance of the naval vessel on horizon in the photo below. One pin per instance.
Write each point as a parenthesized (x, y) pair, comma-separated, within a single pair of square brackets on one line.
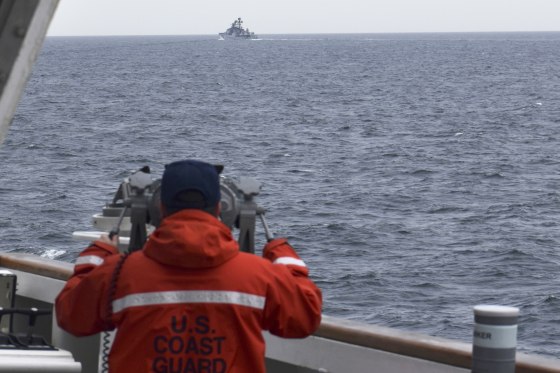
[(236, 31)]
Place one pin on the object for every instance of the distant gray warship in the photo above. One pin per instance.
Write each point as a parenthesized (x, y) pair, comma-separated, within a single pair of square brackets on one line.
[(236, 31)]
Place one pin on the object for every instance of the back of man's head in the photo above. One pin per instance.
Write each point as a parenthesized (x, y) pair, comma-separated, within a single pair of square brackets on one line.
[(190, 184)]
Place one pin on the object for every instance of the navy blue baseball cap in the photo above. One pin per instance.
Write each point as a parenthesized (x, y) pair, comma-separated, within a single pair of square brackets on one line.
[(186, 175)]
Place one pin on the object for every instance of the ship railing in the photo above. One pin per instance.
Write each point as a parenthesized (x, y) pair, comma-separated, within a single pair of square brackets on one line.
[(345, 332)]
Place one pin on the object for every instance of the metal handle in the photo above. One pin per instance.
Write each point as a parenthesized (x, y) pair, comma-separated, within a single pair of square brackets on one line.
[(116, 229), (267, 232)]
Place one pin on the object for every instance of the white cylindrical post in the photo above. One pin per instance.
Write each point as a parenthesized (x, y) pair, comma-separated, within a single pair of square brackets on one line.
[(494, 339)]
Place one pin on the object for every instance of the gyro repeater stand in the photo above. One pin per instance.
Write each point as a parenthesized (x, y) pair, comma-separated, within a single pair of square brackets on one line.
[(248, 213)]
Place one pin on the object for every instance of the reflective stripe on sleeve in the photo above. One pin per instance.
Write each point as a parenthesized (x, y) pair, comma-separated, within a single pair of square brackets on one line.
[(188, 296), (290, 260), (89, 259)]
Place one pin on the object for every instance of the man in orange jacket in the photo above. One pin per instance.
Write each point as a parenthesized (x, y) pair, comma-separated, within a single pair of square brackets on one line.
[(189, 301)]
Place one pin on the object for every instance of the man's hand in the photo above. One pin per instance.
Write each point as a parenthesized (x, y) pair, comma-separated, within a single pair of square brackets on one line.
[(110, 241)]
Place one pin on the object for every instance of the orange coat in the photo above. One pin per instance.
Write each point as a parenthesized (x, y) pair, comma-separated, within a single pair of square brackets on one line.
[(190, 301)]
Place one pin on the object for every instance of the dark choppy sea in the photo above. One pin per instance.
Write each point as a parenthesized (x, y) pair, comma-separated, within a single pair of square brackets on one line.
[(417, 174)]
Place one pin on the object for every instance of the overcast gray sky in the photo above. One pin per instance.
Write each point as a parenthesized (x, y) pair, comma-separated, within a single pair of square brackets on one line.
[(189, 17)]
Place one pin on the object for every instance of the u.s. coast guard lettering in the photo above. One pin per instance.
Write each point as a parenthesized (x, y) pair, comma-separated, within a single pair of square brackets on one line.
[(189, 347)]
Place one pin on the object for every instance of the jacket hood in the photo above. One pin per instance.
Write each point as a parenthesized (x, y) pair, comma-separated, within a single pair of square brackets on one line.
[(191, 239)]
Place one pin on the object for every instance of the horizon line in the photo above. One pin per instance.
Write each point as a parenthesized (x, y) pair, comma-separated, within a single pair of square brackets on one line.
[(322, 33)]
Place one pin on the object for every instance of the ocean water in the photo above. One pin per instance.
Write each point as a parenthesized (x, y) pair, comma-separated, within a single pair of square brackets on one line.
[(416, 174)]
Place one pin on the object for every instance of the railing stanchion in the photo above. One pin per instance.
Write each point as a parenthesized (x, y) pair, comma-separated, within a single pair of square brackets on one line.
[(494, 339)]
